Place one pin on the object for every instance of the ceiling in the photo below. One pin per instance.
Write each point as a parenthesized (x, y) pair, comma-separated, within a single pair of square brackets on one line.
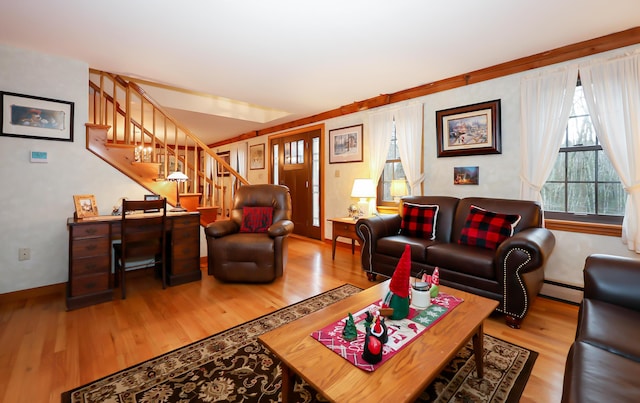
[(245, 65)]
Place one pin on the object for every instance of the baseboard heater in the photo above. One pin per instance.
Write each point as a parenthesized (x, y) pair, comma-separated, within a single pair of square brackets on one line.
[(568, 293)]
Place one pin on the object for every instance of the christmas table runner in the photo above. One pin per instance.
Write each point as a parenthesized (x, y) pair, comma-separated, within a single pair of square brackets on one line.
[(400, 332)]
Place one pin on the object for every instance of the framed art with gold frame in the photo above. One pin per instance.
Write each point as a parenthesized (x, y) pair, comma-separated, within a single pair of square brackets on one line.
[(85, 206)]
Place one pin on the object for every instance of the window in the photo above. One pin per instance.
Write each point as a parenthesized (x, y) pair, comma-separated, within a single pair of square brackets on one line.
[(583, 186), (392, 171)]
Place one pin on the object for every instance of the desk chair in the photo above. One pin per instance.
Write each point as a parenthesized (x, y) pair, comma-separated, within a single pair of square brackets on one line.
[(143, 239)]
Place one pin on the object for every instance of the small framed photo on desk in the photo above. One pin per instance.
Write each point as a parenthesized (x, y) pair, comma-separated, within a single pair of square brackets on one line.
[(85, 206)]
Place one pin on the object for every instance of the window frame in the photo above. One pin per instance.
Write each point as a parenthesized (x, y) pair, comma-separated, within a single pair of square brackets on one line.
[(582, 222), (381, 182)]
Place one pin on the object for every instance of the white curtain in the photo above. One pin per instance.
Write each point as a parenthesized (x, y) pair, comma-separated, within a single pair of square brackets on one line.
[(612, 91), (380, 127), (409, 135), (546, 101)]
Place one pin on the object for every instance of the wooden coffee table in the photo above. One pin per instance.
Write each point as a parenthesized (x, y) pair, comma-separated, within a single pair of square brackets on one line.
[(400, 379)]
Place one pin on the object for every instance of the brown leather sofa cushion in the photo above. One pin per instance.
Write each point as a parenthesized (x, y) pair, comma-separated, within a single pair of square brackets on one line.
[(465, 259), (394, 246), (599, 376), (609, 327)]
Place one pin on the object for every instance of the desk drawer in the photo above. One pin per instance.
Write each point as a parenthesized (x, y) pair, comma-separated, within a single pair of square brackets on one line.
[(183, 250), (186, 265), (187, 221), (91, 230), (90, 265), (90, 247), (85, 285)]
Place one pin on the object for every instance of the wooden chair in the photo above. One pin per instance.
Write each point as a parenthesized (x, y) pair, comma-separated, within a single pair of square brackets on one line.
[(143, 239)]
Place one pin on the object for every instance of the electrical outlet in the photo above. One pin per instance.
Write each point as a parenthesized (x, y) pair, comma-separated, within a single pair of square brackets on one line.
[(24, 254)]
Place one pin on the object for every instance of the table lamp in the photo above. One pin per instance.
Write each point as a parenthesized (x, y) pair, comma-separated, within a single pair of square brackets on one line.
[(178, 177), (363, 189), (398, 189)]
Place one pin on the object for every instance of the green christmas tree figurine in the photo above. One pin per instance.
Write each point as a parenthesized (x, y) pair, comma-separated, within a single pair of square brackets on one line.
[(349, 332)]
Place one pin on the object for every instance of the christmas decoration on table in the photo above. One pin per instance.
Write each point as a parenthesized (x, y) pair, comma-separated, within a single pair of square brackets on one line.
[(434, 281), (379, 330), (372, 352), (349, 332), (398, 296)]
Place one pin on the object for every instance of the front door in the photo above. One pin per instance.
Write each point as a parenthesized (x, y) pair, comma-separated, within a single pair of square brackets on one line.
[(296, 164)]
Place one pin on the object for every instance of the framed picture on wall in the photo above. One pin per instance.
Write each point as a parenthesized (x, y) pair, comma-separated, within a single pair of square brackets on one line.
[(469, 130), (36, 117), (226, 157), (345, 144), (256, 156)]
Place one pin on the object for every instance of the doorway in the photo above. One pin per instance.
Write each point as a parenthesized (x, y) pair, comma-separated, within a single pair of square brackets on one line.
[(296, 163)]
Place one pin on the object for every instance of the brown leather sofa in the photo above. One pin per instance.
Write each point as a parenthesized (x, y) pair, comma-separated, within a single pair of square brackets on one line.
[(603, 364), (512, 274), (235, 253)]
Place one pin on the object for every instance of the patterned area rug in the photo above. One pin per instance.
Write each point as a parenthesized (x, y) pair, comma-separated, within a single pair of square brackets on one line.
[(232, 366)]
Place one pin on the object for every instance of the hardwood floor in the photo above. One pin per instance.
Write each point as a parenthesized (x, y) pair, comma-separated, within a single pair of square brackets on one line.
[(45, 350)]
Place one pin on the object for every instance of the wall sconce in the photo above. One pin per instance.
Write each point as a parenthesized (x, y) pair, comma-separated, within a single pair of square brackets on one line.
[(363, 189), (178, 177), (398, 189)]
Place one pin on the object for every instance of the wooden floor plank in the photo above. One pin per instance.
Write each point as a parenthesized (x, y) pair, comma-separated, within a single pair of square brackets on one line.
[(45, 350)]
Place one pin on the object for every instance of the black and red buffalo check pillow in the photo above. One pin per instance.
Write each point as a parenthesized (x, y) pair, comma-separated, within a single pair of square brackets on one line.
[(487, 229), (419, 220), (256, 219)]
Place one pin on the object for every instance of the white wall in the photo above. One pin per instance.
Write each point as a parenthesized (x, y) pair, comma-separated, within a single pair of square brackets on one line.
[(499, 174), (36, 199)]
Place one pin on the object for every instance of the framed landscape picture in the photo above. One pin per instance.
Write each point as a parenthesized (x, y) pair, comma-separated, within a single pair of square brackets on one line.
[(36, 117), (469, 130), (345, 144)]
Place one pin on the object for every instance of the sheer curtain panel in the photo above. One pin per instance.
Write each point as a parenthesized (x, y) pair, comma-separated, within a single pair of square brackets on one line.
[(546, 101), (612, 91), (409, 134)]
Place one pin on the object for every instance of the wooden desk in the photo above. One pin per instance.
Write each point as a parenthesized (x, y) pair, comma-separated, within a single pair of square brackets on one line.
[(346, 228), (90, 239)]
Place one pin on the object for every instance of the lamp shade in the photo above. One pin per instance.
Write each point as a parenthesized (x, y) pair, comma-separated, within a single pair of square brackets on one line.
[(363, 188), (398, 188), (177, 176)]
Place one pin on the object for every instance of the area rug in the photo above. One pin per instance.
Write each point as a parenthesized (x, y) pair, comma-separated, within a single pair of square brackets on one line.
[(232, 366)]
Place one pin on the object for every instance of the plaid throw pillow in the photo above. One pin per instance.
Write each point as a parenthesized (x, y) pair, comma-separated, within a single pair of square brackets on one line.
[(256, 219), (419, 220), (487, 229)]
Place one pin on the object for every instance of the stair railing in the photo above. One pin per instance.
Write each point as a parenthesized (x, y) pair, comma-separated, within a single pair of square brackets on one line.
[(137, 121)]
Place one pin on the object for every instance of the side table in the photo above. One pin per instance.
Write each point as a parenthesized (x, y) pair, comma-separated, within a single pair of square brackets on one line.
[(346, 228)]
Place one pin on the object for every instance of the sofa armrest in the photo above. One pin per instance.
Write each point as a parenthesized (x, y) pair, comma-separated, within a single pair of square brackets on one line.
[(538, 242), (524, 252), (218, 229), (613, 279), (280, 228), (370, 229)]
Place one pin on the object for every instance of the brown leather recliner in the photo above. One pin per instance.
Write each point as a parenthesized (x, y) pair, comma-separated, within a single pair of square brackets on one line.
[(236, 253)]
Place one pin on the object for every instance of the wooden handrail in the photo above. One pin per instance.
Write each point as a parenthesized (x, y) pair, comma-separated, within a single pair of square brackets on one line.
[(165, 142)]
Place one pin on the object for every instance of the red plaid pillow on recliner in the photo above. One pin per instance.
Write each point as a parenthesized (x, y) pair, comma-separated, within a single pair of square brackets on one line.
[(419, 220), (256, 219), (487, 229)]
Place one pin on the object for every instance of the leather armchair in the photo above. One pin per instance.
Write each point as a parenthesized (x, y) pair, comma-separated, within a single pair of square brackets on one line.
[(237, 255), (603, 362)]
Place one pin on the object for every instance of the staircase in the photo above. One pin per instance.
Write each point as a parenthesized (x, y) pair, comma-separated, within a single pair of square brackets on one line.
[(130, 131)]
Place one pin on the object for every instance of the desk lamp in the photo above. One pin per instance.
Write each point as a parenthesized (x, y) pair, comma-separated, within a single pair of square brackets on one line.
[(178, 177), (363, 189)]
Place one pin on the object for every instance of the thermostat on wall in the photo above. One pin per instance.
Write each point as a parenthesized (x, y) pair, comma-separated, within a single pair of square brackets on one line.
[(39, 156)]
